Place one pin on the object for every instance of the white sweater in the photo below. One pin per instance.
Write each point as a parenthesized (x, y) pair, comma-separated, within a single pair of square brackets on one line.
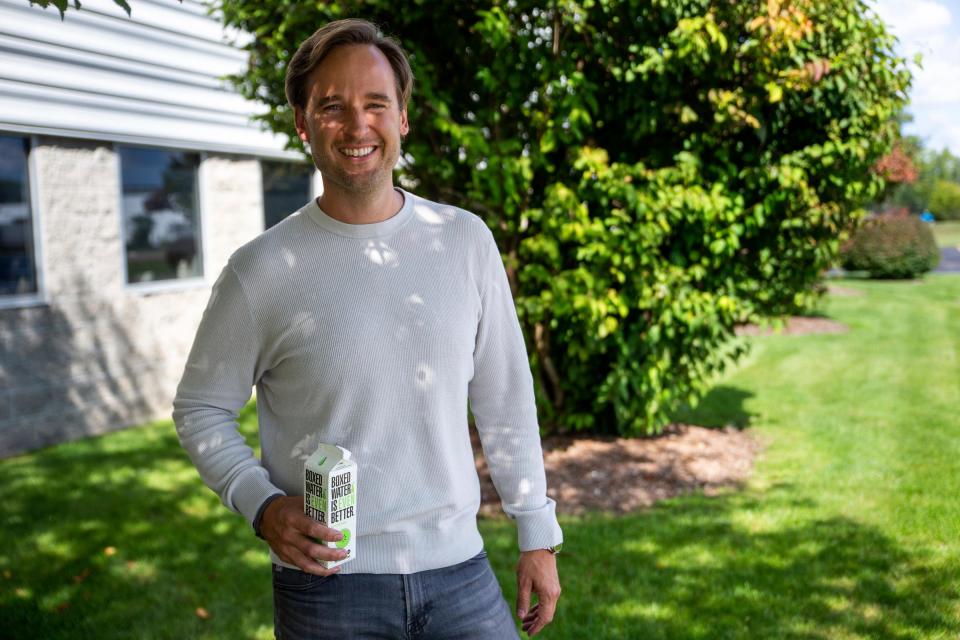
[(372, 337)]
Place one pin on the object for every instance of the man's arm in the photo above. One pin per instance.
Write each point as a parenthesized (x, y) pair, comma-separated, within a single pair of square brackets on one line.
[(224, 363), (502, 402), (216, 384)]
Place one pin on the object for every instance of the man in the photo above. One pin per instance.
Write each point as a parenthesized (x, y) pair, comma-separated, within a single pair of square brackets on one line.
[(369, 319)]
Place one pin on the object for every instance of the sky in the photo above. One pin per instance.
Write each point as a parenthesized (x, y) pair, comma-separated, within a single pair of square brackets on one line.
[(932, 28)]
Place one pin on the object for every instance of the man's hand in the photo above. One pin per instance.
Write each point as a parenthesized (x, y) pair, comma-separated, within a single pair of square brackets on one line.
[(537, 572), (290, 532)]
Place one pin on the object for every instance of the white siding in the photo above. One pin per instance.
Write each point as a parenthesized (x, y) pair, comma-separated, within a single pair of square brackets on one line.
[(153, 78)]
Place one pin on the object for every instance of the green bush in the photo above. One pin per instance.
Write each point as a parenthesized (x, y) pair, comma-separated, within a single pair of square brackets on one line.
[(945, 200), (654, 172), (892, 247)]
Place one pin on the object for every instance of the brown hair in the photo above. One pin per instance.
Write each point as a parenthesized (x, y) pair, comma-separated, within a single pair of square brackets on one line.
[(336, 34)]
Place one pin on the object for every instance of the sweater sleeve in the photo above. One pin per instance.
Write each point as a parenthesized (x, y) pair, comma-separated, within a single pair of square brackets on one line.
[(502, 402), (216, 384)]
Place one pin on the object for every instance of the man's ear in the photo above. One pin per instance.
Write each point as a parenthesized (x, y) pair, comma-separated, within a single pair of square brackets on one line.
[(300, 120), (404, 123)]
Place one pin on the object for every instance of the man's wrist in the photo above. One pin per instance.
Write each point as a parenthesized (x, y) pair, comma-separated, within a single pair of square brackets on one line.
[(258, 519), (551, 550)]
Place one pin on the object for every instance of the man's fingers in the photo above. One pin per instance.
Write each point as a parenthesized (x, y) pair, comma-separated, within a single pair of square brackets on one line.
[(534, 623), (532, 614), (541, 614), (523, 598), (317, 531), (548, 603), (535, 629), (308, 565), (323, 552)]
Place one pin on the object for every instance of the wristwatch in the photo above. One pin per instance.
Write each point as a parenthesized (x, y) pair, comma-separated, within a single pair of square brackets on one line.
[(555, 549)]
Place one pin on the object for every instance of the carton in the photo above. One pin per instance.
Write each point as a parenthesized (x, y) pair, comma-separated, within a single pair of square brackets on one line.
[(330, 496)]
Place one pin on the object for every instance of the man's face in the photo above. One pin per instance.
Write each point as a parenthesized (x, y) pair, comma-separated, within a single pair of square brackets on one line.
[(352, 119)]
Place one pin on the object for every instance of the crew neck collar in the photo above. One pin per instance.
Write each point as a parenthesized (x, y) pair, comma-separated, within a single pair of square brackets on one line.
[(371, 230)]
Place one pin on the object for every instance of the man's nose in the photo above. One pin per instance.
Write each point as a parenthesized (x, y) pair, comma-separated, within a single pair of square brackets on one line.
[(356, 122)]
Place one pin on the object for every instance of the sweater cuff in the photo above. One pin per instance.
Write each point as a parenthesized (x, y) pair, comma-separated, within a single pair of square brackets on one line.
[(258, 520), (538, 528), (250, 491)]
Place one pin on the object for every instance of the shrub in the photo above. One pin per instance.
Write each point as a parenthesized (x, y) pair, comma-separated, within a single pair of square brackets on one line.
[(945, 200), (892, 247)]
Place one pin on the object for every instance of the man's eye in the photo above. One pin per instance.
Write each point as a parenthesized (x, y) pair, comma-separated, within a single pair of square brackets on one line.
[(377, 106), (332, 107)]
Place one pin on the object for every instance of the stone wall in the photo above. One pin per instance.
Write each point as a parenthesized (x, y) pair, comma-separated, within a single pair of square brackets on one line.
[(99, 355)]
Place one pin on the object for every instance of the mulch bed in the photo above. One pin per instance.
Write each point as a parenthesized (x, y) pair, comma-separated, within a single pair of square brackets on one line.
[(795, 326), (620, 475)]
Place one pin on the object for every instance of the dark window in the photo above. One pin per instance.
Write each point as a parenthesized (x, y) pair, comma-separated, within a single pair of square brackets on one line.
[(18, 274), (286, 188), (161, 222)]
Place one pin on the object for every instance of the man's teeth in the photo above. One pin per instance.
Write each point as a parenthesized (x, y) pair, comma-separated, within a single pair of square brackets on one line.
[(358, 153)]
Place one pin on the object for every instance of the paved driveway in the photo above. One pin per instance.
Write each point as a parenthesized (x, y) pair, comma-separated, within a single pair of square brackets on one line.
[(949, 260)]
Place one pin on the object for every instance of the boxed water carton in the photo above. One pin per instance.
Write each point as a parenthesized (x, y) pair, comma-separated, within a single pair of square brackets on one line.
[(330, 496)]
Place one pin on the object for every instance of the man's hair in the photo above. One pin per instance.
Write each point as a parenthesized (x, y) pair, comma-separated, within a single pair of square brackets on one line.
[(337, 34)]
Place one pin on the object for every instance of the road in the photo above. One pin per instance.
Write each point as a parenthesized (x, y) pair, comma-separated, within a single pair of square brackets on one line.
[(949, 260)]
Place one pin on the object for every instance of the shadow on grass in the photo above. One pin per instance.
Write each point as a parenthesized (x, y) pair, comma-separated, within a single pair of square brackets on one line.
[(723, 406), (116, 537), (685, 570)]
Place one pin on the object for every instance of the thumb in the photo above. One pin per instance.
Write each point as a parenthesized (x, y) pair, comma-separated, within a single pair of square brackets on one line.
[(523, 598)]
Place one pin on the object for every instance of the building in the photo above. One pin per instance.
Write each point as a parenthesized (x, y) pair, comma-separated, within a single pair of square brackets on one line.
[(129, 172)]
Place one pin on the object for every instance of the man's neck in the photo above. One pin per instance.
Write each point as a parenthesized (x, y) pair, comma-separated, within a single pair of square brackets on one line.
[(354, 208)]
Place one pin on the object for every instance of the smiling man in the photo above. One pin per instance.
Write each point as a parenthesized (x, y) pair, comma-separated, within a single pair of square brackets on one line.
[(370, 319)]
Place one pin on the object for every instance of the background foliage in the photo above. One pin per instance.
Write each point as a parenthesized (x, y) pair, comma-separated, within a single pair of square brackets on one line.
[(63, 5), (654, 171), (892, 246), (936, 186)]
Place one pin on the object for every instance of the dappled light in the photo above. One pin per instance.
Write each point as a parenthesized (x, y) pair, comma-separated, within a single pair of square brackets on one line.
[(693, 568), (380, 254)]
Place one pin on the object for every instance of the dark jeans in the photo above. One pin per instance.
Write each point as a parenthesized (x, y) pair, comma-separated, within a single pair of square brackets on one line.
[(462, 602)]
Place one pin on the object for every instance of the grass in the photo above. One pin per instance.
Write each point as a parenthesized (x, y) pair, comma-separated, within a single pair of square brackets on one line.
[(947, 233), (849, 528)]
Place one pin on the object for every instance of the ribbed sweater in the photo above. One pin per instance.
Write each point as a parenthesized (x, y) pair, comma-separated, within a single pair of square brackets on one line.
[(374, 337)]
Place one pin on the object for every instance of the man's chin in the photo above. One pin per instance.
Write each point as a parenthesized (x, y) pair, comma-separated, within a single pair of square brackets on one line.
[(367, 182)]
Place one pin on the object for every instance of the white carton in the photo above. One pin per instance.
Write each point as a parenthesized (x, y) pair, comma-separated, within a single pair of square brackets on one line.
[(330, 496)]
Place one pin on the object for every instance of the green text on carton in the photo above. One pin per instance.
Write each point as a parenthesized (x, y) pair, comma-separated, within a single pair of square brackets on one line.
[(330, 496)]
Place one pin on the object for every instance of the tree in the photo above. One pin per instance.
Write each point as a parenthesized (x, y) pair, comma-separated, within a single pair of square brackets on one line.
[(654, 171), (938, 175), (945, 200), (63, 5)]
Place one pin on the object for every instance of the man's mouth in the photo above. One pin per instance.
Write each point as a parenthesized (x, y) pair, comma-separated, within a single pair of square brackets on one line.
[(357, 152)]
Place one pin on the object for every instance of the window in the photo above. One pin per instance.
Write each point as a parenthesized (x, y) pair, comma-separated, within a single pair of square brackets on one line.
[(161, 222), (18, 272), (286, 188)]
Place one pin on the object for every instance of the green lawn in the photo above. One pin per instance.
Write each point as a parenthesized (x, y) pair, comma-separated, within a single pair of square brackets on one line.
[(947, 233), (850, 527)]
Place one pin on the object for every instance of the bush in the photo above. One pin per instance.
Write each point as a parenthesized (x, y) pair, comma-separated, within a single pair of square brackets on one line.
[(945, 200), (654, 172), (892, 247)]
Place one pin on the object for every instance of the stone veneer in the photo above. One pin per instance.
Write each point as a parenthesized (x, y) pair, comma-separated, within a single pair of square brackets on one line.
[(98, 355)]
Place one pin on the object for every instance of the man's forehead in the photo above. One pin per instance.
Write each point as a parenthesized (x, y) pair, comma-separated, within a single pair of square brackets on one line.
[(352, 71), (354, 63)]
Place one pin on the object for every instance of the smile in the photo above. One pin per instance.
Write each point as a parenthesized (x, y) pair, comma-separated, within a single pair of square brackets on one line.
[(357, 152)]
